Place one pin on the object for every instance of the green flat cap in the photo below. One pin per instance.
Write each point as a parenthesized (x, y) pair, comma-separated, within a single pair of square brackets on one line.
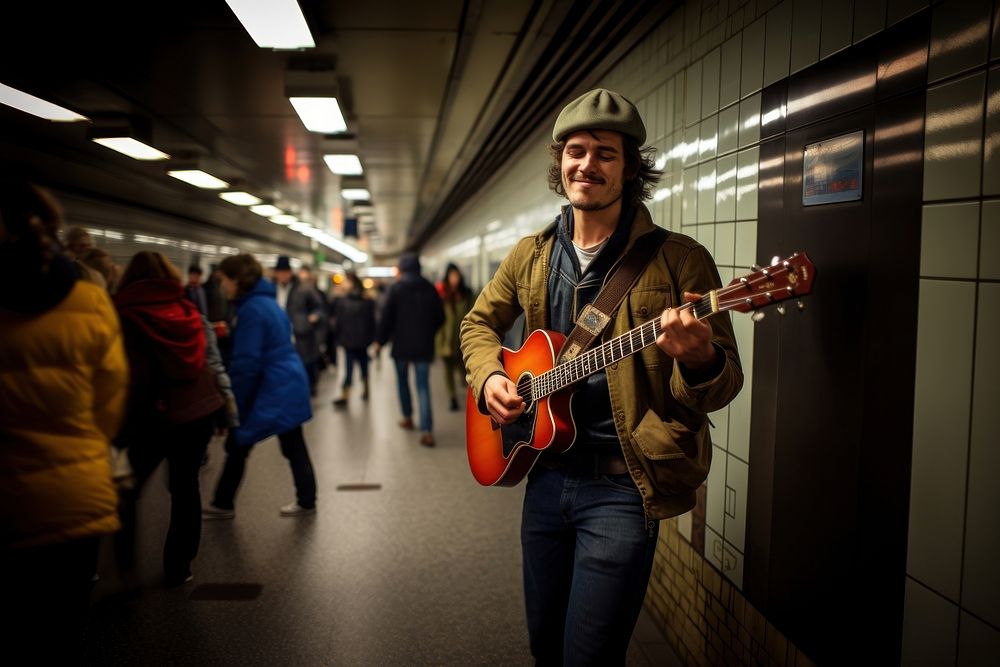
[(600, 109)]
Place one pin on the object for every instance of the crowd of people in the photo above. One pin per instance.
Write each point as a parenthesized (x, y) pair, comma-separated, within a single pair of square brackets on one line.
[(106, 371)]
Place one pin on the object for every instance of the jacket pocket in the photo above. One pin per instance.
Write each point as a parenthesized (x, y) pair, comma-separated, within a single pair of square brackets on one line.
[(675, 458)]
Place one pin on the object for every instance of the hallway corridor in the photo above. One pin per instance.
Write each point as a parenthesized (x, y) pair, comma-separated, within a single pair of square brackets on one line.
[(423, 570)]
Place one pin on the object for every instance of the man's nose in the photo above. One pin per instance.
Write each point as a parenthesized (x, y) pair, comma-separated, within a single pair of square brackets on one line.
[(588, 162)]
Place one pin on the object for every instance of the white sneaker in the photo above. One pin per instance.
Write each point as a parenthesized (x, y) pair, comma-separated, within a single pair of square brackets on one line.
[(210, 512), (294, 509)]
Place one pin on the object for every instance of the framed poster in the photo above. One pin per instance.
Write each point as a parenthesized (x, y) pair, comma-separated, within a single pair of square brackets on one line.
[(833, 169)]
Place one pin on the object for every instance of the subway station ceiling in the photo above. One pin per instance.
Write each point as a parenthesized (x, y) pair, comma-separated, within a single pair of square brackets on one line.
[(435, 94)]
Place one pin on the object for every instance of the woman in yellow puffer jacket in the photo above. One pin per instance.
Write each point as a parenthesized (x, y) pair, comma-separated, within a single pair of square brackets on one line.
[(63, 382)]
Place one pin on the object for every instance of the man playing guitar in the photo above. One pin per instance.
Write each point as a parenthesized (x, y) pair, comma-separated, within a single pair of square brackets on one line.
[(642, 444)]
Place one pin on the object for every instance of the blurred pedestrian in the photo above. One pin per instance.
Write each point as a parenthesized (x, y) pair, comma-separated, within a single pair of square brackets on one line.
[(97, 266), (410, 317), (77, 242), (63, 381), (354, 319), (194, 290), (457, 300), (272, 391), (304, 306), (176, 401)]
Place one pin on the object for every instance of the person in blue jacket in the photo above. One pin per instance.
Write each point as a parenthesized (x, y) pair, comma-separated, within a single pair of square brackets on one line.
[(270, 384)]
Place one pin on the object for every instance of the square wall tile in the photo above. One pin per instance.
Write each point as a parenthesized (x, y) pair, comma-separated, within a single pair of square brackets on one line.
[(978, 643), (778, 43), (732, 565), (692, 94), (806, 17), (690, 204), (737, 483), (752, 68), (930, 627), (953, 138), (714, 544), (725, 245), (739, 413), (989, 243), (692, 144), (900, 9), (746, 187), (837, 27), (746, 244), (949, 240), (729, 127), (677, 200), (706, 193), (720, 424), (749, 131), (960, 33), (710, 83), (684, 525), (715, 502), (708, 138), (869, 18), (729, 82), (706, 236), (941, 405), (991, 149), (667, 100), (725, 188), (981, 576)]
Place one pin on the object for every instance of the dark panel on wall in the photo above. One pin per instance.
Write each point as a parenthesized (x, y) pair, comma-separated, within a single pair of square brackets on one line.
[(832, 406)]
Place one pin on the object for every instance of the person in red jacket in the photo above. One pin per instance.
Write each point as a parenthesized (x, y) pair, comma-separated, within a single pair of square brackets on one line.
[(174, 404)]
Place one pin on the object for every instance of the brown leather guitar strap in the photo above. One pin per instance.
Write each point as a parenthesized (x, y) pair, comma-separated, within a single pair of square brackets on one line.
[(595, 316)]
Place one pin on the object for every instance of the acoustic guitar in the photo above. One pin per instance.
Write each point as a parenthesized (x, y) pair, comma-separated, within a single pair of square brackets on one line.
[(503, 455)]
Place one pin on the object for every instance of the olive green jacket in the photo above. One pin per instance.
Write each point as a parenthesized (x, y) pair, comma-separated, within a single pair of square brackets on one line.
[(661, 419)]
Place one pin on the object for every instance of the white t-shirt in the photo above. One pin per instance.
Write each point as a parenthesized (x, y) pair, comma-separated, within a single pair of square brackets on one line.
[(586, 256)]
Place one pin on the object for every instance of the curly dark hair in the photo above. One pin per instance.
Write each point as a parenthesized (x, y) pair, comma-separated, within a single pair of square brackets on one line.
[(641, 174)]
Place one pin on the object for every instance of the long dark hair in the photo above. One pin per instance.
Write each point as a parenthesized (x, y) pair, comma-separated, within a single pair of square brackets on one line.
[(641, 174), (461, 290), (146, 265)]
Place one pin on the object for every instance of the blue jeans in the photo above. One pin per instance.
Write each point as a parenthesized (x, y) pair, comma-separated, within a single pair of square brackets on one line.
[(588, 553), (423, 390)]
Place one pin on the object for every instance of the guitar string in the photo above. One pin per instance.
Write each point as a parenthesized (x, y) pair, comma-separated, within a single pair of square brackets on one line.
[(542, 385)]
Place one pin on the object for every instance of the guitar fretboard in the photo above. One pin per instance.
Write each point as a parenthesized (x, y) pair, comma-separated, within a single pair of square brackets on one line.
[(616, 349)]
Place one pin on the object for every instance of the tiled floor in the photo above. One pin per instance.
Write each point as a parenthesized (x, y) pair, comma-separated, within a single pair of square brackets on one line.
[(425, 570)]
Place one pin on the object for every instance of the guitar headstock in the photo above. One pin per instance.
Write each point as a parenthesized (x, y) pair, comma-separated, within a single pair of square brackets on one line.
[(784, 279)]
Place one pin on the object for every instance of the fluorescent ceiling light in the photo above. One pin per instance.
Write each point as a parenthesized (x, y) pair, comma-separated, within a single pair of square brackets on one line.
[(274, 24), (355, 193), (266, 210), (132, 147), (320, 114), (199, 178), (240, 198), (345, 165), (37, 106), (284, 219)]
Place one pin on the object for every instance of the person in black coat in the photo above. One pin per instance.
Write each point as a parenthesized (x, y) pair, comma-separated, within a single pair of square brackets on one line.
[(410, 316), (354, 319)]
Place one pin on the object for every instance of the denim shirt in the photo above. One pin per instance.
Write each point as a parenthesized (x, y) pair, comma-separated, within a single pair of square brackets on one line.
[(569, 291)]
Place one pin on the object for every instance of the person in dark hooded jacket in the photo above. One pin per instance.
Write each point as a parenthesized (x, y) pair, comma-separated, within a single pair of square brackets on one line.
[(174, 405), (410, 316), (271, 387)]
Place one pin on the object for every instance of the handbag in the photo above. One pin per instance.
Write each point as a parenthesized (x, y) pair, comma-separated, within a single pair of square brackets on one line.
[(184, 401)]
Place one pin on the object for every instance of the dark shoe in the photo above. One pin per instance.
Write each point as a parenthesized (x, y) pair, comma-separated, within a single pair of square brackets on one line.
[(426, 439), (453, 406), (407, 423), (173, 581)]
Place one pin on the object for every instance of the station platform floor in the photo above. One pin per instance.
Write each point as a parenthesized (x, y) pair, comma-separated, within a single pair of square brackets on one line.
[(423, 567)]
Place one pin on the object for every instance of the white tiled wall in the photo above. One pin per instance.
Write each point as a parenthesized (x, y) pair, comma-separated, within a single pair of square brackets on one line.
[(697, 79), (952, 607)]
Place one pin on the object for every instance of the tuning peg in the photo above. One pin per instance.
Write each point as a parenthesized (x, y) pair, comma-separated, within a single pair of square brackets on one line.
[(781, 309), (756, 267), (801, 305), (775, 260), (757, 316)]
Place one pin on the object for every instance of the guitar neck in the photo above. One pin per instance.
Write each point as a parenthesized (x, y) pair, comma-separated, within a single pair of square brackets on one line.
[(782, 280), (590, 362)]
